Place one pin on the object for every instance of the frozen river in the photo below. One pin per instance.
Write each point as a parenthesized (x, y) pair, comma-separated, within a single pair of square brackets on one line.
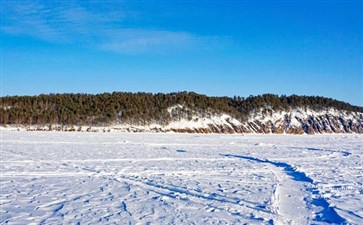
[(125, 178)]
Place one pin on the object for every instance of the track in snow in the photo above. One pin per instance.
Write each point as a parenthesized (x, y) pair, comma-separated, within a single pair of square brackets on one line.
[(118, 178), (327, 214)]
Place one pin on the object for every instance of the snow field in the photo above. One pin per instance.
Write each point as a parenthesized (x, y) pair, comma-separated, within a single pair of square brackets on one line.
[(126, 178)]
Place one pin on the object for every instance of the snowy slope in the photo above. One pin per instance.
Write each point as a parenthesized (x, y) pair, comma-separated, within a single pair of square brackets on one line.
[(90, 178), (294, 121)]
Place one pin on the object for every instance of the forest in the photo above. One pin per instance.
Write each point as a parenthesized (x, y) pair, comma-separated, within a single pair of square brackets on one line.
[(144, 108)]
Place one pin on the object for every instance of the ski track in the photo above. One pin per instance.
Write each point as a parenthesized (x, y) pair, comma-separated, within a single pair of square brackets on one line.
[(180, 179)]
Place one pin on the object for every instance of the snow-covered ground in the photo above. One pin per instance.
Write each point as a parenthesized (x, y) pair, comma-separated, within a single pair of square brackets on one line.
[(127, 178)]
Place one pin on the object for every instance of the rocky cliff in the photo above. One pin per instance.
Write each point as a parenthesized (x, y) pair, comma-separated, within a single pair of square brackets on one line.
[(297, 121), (263, 121)]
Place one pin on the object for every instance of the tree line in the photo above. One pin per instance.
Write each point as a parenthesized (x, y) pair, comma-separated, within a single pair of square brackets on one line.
[(143, 108)]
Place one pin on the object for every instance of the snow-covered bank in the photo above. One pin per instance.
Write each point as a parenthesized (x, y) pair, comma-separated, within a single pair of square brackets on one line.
[(69, 177), (263, 121)]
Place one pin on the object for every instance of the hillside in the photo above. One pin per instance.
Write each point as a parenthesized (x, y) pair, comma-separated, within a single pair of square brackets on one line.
[(180, 112)]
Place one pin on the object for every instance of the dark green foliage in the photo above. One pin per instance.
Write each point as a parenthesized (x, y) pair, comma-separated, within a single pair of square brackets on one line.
[(144, 108)]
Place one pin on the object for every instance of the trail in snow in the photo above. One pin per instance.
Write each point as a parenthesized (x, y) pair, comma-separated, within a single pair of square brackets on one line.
[(327, 214), (344, 153)]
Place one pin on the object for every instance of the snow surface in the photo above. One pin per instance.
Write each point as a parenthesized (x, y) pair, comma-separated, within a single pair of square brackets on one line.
[(126, 178)]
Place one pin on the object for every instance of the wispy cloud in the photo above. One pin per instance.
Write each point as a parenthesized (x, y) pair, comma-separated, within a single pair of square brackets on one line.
[(29, 18), (136, 41), (96, 26), (57, 21)]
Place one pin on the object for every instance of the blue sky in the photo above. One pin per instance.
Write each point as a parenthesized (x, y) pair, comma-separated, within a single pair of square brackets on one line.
[(218, 48)]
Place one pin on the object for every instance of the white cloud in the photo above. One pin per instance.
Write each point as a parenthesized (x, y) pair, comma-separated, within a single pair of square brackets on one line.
[(68, 22), (137, 41)]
